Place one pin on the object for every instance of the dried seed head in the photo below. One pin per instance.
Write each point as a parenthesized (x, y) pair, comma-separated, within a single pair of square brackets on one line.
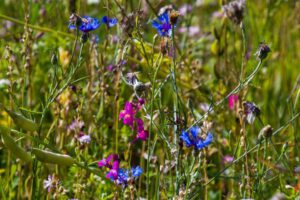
[(265, 132), (235, 11), (75, 19), (174, 16)]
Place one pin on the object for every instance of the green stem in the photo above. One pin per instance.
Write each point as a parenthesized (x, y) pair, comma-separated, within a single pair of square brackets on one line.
[(39, 28)]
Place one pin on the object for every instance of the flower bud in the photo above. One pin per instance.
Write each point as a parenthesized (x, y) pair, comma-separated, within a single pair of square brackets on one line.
[(265, 132), (54, 59), (174, 16), (262, 51)]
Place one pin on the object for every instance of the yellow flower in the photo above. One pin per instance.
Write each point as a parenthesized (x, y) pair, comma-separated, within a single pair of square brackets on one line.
[(64, 57)]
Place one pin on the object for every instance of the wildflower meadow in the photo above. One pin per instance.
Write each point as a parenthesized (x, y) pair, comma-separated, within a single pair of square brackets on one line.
[(149, 99)]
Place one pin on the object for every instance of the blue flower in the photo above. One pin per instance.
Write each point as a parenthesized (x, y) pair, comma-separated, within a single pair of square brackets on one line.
[(87, 24), (193, 139), (110, 22), (163, 25), (137, 171), (124, 175)]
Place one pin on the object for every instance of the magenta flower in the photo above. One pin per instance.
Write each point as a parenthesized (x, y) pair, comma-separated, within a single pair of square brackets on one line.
[(107, 162), (232, 100), (227, 159), (142, 135), (129, 119), (113, 172), (128, 114)]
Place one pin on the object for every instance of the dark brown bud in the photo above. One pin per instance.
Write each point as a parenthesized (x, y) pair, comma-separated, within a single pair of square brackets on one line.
[(174, 16)]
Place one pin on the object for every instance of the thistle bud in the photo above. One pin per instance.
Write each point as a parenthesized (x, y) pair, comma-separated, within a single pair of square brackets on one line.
[(235, 11), (174, 16), (265, 132), (262, 51)]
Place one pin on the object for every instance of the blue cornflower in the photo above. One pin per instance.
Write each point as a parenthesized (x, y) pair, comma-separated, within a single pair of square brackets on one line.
[(193, 139), (124, 175), (87, 24), (110, 22), (163, 25), (137, 171)]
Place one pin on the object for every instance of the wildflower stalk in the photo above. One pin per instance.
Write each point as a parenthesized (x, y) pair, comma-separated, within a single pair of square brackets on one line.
[(238, 88), (151, 122), (175, 109), (244, 50), (205, 174)]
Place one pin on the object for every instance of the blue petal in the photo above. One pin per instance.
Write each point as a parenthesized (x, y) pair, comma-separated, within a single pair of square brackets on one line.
[(72, 27), (89, 24), (155, 24), (105, 19), (123, 176), (195, 131), (137, 171), (110, 22), (201, 144), (186, 138), (166, 17)]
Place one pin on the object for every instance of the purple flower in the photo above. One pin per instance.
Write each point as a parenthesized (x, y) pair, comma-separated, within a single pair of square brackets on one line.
[(110, 22), (107, 162), (84, 139), (262, 51), (52, 183), (251, 111), (163, 25), (193, 138), (232, 99)]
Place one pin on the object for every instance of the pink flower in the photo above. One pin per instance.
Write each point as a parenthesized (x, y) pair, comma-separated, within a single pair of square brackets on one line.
[(142, 135), (227, 159), (232, 99)]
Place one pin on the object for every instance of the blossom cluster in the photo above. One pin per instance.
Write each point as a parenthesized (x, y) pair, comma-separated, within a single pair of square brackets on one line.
[(128, 115), (119, 175)]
